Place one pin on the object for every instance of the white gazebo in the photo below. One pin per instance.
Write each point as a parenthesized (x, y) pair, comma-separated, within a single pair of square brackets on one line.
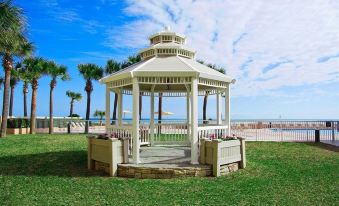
[(168, 68)]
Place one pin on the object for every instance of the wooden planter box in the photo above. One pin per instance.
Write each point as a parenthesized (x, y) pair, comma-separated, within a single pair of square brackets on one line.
[(217, 153), (107, 154)]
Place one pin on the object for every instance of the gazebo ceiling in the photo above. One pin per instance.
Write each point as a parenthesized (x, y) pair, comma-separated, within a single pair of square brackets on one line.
[(168, 66)]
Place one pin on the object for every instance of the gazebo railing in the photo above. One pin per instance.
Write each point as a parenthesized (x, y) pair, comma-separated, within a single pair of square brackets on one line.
[(170, 133), (212, 132), (165, 133)]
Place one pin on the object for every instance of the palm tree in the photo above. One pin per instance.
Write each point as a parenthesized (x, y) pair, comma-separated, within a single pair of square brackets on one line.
[(74, 97), (100, 114), (12, 44), (24, 77), (55, 71), (113, 66), (89, 72), (130, 61), (35, 69), (13, 82), (219, 69)]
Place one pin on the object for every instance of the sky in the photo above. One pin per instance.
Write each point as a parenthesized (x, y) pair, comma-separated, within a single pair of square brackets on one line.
[(284, 54)]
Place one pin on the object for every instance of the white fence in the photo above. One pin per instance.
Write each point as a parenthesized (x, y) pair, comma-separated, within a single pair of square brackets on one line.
[(295, 131)]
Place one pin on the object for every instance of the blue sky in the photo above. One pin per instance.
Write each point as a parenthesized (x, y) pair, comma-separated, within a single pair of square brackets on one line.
[(284, 55)]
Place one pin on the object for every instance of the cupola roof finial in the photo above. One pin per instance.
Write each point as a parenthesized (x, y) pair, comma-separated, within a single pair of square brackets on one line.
[(167, 28)]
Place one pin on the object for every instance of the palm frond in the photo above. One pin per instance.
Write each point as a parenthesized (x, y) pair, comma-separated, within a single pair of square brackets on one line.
[(74, 95), (90, 71)]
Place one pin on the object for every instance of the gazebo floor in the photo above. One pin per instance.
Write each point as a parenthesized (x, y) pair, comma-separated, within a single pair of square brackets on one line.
[(164, 162)]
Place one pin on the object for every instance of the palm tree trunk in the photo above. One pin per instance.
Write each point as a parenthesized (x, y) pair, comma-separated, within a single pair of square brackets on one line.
[(114, 117), (8, 65), (159, 112), (33, 106), (70, 114), (25, 91), (71, 108), (204, 107), (52, 86), (11, 102), (88, 111)]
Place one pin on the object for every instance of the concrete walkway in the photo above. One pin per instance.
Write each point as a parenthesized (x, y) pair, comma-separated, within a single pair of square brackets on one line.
[(177, 155), (331, 142)]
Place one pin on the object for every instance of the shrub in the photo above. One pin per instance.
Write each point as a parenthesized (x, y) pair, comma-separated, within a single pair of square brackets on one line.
[(18, 123), (74, 115)]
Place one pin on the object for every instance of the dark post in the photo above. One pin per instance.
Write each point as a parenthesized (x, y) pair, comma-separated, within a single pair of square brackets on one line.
[(317, 135)]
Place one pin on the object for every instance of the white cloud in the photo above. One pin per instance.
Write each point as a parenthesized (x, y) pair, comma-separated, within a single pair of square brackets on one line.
[(246, 37)]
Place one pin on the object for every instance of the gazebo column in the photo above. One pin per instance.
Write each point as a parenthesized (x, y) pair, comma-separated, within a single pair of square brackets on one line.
[(108, 108), (194, 122), (218, 114), (152, 117), (188, 117), (135, 124), (227, 110), (120, 107)]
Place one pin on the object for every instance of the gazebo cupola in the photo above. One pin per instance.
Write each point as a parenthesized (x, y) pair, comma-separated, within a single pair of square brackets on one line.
[(167, 43)]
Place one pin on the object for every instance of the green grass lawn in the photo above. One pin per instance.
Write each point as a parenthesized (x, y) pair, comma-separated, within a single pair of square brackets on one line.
[(51, 169)]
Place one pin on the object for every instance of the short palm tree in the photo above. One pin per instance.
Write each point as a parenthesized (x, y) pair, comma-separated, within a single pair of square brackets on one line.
[(113, 66), (13, 82), (89, 72), (100, 114), (74, 96), (12, 44), (55, 72), (35, 67)]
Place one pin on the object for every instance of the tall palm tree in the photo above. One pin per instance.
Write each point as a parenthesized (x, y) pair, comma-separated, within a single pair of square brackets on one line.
[(100, 114), (35, 67), (13, 82), (219, 69), (24, 77), (113, 66), (74, 97), (12, 44), (89, 72), (130, 61), (55, 72)]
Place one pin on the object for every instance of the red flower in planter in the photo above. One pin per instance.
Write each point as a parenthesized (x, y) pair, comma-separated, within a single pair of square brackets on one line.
[(213, 136)]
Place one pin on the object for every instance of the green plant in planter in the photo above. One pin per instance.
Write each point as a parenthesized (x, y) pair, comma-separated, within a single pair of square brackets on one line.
[(223, 137)]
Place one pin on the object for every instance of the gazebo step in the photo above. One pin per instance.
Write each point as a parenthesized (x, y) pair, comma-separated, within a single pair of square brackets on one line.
[(163, 171)]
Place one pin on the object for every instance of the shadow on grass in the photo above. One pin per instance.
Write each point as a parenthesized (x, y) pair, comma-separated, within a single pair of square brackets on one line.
[(323, 146), (63, 164)]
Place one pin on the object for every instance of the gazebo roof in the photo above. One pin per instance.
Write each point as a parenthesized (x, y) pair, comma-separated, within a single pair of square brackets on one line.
[(168, 66)]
